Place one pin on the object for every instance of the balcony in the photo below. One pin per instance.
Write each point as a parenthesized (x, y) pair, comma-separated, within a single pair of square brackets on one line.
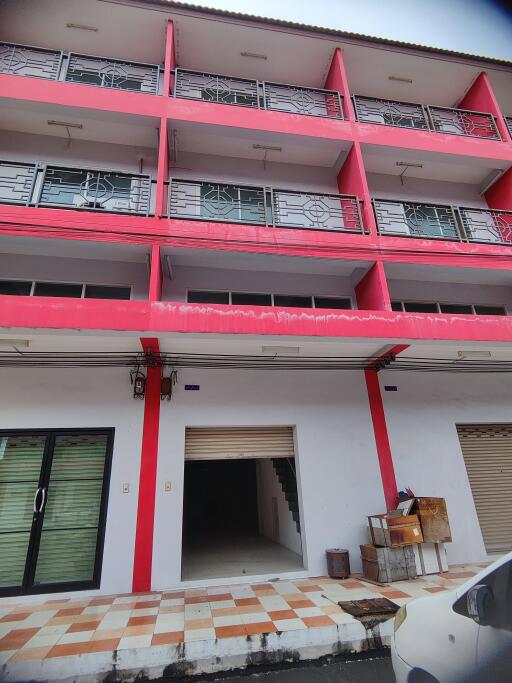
[(443, 222), (508, 121), (210, 201), (292, 99), (74, 188), (435, 119), (22, 60)]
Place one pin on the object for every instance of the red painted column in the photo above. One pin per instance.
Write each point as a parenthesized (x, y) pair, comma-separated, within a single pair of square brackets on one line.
[(162, 176), (155, 275), (143, 555), (352, 180), (372, 291), (337, 80), (481, 97), (170, 59)]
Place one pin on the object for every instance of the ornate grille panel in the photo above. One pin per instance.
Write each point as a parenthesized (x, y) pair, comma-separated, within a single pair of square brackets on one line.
[(217, 202), (463, 122), (508, 121), (483, 225), (414, 219), (213, 88), (306, 101), (316, 211), (390, 113), (109, 73), (16, 182), (22, 60), (95, 190)]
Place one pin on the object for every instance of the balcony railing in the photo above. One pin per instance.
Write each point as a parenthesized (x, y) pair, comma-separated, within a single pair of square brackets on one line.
[(508, 121), (74, 188), (22, 60), (437, 221), (293, 99), (209, 201), (437, 119)]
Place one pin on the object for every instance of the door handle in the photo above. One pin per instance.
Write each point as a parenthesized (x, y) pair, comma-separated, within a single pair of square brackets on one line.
[(35, 499), (43, 501)]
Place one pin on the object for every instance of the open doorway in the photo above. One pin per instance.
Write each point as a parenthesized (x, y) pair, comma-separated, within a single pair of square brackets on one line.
[(240, 514)]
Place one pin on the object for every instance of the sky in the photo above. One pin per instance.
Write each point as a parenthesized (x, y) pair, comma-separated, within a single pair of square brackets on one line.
[(482, 27)]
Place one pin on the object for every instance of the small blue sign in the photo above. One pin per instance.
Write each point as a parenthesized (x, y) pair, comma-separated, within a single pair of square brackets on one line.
[(192, 387)]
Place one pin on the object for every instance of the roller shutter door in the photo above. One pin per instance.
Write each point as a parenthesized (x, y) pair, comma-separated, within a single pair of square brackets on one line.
[(229, 443), (487, 451)]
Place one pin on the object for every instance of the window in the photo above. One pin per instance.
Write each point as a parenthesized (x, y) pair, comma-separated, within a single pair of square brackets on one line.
[(420, 307), (247, 299), (199, 297), (397, 306), (490, 310), (332, 302), (451, 309), (500, 583), (106, 292), (292, 301), (15, 287), (57, 289), (456, 308)]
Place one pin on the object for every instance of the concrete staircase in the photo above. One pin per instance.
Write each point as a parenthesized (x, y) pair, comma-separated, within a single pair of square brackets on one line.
[(285, 470)]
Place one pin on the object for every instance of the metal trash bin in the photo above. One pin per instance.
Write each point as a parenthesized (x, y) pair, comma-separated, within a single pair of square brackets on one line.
[(338, 563)]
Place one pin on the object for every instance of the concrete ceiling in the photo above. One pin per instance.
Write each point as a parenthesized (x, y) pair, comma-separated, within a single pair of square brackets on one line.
[(107, 251), (426, 273)]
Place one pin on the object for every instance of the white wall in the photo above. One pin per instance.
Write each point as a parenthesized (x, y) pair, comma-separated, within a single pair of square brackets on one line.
[(55, 398), (272, 282), (191, 166), (421, 418), (337, 469), (386, 186), (88, 271), (450, 292), (269, 487)]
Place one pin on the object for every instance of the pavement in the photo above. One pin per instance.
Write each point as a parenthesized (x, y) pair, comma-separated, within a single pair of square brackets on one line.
[(195, 631)]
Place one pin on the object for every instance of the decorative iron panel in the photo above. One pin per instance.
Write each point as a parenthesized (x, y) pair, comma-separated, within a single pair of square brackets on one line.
[(474, 124), (22, 60), (307, 101), (390, 113), (93, 190), (484, 225), (197, 85), (508, 121), (111, 73), (414, 219), (208, 201), (316, 211), (16, 182)]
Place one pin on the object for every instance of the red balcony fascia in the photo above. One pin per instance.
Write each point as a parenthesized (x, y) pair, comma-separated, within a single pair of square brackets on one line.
[(173, 317), (430, 141), (26, 89), (248, 118)]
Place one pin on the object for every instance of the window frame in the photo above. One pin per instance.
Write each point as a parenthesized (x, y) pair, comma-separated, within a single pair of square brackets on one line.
[(272, 295), (56, 282)]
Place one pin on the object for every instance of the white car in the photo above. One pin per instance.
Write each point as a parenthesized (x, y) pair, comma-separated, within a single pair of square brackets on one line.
[(458, 636)]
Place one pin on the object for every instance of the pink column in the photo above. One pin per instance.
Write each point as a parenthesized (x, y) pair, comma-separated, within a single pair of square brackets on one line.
[(372, 291), (481, 97), (170, 58), (155, 275), (352, 180), (337, 80), (162, 176)]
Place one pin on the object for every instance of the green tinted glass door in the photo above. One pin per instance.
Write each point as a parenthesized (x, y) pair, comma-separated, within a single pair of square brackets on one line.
[(21, 460), (70, 528)]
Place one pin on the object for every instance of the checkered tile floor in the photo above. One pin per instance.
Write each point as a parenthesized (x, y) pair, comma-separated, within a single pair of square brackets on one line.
[(59, 628)]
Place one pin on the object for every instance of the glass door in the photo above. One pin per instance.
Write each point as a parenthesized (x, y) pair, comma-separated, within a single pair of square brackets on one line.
[(52, 520)]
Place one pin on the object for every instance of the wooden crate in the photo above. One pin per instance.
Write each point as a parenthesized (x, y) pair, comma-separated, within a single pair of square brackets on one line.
[(433, 518), (394, 531), (388, 564)]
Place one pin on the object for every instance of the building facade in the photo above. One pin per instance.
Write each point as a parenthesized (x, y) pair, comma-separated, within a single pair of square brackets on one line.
[(255, 277)]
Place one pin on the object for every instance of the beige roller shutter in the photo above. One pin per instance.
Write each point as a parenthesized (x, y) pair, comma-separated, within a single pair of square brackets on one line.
[(225, 443), (487, 451)]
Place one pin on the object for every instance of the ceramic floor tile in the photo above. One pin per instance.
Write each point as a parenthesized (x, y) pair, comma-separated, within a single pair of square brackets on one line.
[(108, 634), (76, 637), (31, 653), (115, 620), (39, 618), (198, 624), (97, 609), (229, 620), (171, 625), (230, 631), (144, 630), (222, 604), (289, 624), (168, 638), (171, 602), (17, 638), (309, 612), (225, 611), (254, 618), (260, 627), (43, 640), (57, 629), (273, 602), (130, 642), (282, 614), (172, 609), (251, 609), (318, 621), (5, 655), (341, 617), (145, 612), (83, 626), (200, 634)]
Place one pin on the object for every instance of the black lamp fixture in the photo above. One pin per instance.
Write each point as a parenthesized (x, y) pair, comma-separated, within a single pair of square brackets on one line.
[(138, 380)]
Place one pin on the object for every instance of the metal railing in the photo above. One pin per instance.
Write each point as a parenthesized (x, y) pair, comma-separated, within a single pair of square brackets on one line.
[(439, 221), (390, 112), (416, 219), (75, 188), (487, 225), (508, 121), (200, 85), (210, 201), (437, 119), (475, 124), (22, 60)]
